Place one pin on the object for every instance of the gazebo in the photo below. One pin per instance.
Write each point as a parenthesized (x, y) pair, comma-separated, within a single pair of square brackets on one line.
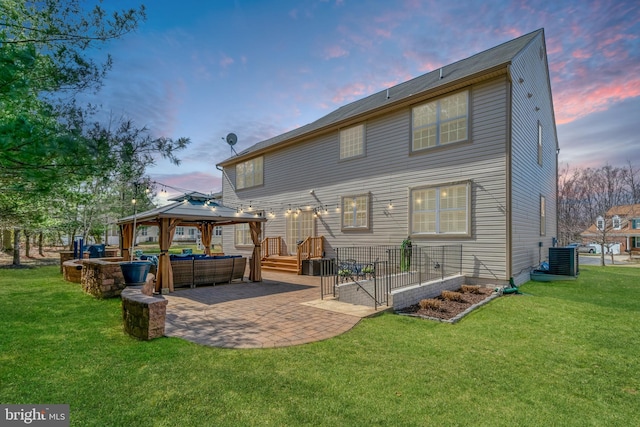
[(193, 211)]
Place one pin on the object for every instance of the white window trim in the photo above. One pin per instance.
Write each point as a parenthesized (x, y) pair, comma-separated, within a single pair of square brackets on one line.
[(363, 144), (616, 222), (598, 221), (353, 226), (438, 123), (437, 233)]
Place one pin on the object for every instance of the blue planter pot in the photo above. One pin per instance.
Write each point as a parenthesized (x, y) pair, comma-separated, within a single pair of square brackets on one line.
[(135, 272)]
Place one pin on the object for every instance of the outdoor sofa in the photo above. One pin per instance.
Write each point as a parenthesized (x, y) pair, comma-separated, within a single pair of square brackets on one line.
[(197, 270)]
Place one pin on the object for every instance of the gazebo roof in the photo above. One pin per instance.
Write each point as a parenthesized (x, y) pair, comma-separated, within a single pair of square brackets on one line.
[(193, 211)]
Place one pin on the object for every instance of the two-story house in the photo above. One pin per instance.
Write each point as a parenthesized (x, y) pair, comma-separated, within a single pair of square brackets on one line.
[(620, 226), (465, 154)]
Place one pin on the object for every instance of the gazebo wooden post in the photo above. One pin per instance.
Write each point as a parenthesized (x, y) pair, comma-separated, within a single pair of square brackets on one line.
[(255, 266), (164, 281)]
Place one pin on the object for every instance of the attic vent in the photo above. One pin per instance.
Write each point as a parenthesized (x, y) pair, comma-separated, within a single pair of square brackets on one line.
[(441, 73)]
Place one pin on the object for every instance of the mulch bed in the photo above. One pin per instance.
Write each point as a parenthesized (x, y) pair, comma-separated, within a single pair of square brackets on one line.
[(449, 309)]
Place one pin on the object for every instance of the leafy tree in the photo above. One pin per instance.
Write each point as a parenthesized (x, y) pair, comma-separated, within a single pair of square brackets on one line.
[(48, 151), (43, 63)]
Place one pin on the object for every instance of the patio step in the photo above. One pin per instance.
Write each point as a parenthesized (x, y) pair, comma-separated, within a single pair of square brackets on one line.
[(286, 264)]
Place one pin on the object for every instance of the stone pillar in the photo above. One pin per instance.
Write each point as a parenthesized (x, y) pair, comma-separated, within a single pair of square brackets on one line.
[(102, 278), (143, 316)]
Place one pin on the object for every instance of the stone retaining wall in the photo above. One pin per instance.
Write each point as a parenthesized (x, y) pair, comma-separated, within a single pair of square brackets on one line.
[(404, 297), (102, 277), (399, 298), (143, 316)]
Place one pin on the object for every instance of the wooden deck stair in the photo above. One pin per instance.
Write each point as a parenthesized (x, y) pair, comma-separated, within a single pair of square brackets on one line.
[(281, 263)]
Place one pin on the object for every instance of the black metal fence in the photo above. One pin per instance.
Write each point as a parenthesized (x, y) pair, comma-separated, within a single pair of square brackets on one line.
[(389, 267)]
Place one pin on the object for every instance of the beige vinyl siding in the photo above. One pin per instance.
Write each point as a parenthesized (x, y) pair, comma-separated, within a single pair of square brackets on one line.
[(530, 180), (388, 172)]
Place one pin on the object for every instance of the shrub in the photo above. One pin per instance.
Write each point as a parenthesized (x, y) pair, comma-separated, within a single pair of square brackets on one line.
[(368, 269), (470, 289), (452, 296), (431, 304)]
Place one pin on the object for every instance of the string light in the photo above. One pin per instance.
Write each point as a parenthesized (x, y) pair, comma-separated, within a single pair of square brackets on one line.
[(270, 211)]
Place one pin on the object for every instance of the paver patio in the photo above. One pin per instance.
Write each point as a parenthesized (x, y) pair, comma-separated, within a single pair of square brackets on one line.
[(282, 310)]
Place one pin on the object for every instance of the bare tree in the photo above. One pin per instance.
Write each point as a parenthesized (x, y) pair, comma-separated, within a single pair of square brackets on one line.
[(586, 198), (606, 189), (633, 182), (572, 218)]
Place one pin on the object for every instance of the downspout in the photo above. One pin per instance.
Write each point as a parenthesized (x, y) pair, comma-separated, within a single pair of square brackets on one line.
[(508, 173)]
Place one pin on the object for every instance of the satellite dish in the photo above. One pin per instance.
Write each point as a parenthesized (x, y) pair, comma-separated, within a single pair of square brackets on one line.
[(232, 139)]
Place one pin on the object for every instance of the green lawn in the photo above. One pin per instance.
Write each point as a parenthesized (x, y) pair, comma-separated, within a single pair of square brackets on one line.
[(563, 354)]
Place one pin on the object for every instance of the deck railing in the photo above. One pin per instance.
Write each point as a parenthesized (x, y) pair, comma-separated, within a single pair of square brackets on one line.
[(311, 247), (271, 246), (392, 267)]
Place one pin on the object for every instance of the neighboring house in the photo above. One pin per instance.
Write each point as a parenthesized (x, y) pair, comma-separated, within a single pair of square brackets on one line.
[(464, 155), (620, 225)]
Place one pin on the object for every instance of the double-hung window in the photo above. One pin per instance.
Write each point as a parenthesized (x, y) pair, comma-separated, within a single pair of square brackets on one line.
[(600, 223), (355, 212), (352, 142), (249, 173), (441, 210), (441, 122), (616, 223)]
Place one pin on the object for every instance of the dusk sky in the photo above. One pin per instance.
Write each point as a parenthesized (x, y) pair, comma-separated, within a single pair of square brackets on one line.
[(260, 68)]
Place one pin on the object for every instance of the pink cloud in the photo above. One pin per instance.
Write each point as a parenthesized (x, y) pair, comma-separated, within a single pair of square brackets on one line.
[(383, 32), (226, 61), (333, 52), (349, 92), (575, 102), (581, 54)]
